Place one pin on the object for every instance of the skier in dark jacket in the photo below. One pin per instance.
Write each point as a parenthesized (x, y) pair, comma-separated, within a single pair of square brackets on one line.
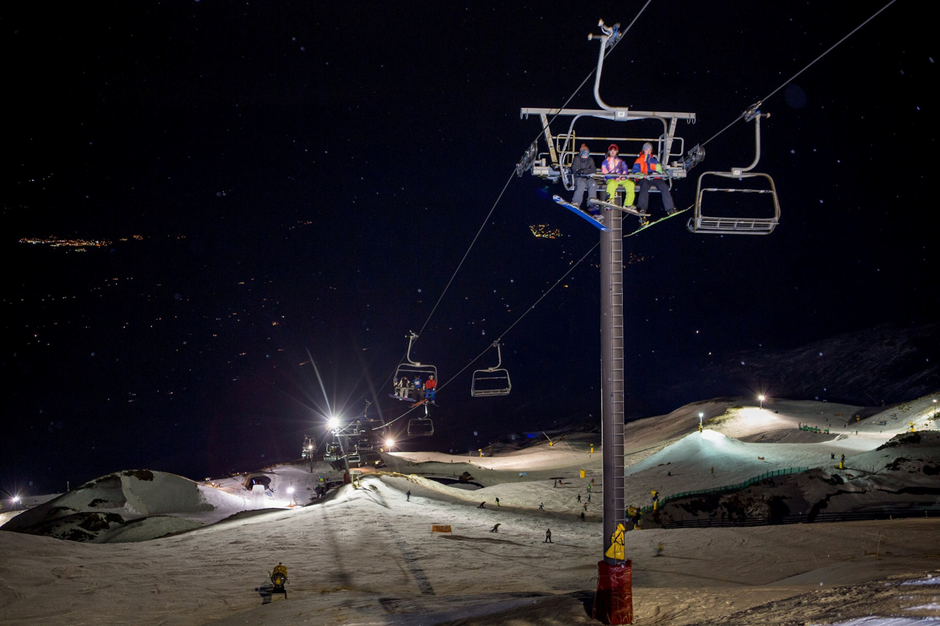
[(583, 167)]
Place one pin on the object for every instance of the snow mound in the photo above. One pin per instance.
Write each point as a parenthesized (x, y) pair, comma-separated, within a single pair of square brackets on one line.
[(133, 505), (709, 453)]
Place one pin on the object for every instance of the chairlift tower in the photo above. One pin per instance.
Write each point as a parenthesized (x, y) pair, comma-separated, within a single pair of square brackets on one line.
[(554, 165)]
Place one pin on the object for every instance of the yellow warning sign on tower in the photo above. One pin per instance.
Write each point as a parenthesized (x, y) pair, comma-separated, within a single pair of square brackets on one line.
[(616, 549)]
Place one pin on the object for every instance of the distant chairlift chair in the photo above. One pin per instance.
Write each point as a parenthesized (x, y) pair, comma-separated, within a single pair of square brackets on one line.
[(492, 381), (421, 426)]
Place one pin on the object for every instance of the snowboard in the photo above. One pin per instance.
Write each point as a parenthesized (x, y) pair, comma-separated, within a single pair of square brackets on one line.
[(586, 216)]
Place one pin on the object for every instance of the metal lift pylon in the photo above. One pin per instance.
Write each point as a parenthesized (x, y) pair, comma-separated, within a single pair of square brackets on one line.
[(613, 600)]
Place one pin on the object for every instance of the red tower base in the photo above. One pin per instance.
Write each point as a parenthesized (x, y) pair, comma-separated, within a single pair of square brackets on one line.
[(613, 602)]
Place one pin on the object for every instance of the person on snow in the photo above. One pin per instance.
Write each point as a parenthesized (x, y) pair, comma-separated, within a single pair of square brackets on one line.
[(615, 170), (497, 501), (583, 168), (408, 496), (648, 165), (548, 536), (495, 528), (482, 505)]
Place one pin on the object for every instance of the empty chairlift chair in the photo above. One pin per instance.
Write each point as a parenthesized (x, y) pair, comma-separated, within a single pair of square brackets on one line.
[(753, 188), (492, 381), (421, 426)]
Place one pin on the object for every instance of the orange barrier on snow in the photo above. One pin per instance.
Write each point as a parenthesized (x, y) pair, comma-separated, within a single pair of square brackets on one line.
[(440, 528)]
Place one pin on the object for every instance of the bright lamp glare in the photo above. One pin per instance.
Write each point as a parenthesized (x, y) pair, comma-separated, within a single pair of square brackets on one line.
[(333, 422), (389, 442)]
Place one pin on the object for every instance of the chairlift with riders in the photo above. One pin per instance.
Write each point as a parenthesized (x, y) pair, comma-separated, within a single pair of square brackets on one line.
[(554, 163), (411, 377)]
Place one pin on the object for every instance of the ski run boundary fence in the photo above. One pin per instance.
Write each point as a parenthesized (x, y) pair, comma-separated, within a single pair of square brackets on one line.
[(728, 488), (813, 516)]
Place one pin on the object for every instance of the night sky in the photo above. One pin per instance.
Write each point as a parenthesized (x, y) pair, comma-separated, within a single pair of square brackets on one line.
[(287, 181)]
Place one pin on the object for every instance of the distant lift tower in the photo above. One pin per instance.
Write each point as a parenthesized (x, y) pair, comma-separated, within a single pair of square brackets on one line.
[(613, 602)]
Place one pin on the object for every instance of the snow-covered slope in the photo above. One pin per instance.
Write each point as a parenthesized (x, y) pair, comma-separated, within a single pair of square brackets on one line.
[(369, 556)]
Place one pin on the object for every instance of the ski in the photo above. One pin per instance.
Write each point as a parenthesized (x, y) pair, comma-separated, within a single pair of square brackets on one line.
[(632, 210), (653, 223), (595, 221)]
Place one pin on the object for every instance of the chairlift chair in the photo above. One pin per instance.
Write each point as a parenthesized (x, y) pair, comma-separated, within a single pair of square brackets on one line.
[(763, 187), (492, 381), (421, 426), (562, 147), (409, 369)]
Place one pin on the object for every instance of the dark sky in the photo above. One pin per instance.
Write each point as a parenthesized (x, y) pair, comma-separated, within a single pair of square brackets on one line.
[(306, 177)]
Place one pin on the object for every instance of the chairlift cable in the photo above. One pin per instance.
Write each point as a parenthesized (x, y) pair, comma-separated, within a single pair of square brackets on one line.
[(519, 319), (792, 78)]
